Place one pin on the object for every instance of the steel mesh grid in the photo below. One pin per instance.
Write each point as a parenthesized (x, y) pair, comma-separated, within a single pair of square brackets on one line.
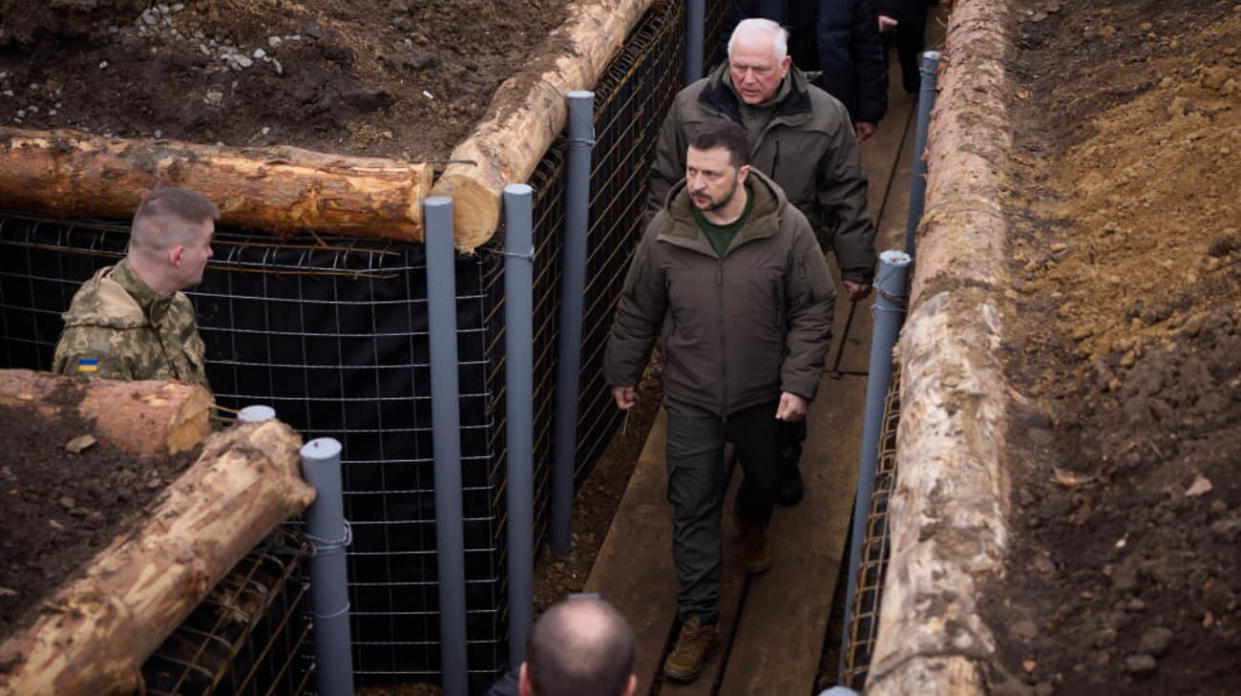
[(630, 101), (247, 636), (717, 20), (332, 333), (863, 628)]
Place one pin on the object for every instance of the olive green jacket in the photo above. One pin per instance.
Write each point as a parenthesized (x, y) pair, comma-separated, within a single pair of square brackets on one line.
[(808, 148), (119, 328), (740, 328)]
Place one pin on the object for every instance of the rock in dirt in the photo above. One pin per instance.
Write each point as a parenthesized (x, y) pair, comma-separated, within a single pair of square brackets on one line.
[(1200, 486), (79, 443), (1140, 664), (1155, 641), (1025, 630)]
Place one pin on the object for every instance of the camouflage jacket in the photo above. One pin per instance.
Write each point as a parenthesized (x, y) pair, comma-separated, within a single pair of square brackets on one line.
[(118, 327)]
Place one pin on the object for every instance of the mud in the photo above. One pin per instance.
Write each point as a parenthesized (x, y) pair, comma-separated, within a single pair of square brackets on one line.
[(61, 507)]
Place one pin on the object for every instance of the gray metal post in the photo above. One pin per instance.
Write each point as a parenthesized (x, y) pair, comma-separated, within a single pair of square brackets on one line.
[(926, 100), (329, 593), (889, 313), (572, 287), (519, 411), (446, 440), (695, 19)]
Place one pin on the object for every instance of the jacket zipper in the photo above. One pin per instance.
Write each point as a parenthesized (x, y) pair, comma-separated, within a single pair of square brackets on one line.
[(719, 295), (775, 159)]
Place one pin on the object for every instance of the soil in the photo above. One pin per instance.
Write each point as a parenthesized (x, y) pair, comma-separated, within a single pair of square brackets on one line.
[(393, 78), (558, 574), (1124, 573), (61, 507)]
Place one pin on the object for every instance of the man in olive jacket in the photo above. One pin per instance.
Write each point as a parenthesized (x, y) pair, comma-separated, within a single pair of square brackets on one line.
[(800, 137), (730, 277)]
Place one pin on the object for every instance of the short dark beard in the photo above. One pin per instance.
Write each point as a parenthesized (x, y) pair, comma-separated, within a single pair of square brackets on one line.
[(725, 201)]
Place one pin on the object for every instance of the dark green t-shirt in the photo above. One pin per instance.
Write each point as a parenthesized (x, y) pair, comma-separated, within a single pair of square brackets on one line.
[(721, 236)]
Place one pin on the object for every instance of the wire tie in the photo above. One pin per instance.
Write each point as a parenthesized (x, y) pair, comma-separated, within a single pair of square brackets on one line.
[(320, 546), (528, 256), (334, 614), (898, 299)]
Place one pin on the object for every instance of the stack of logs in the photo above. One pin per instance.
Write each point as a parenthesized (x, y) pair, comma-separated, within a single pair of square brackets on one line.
[(94, 633)]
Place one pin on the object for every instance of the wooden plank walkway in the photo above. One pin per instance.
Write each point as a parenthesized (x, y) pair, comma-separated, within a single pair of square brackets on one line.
[(772, 626)]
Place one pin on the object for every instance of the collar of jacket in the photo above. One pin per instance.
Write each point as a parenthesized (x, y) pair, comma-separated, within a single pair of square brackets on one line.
[(683, 231), (153, 304), (718, 96)]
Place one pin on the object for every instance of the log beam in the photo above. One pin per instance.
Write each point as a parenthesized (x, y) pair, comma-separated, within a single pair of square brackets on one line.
[(94, 634), (152, 417), (528, 112), (282, 190), (948, 512)]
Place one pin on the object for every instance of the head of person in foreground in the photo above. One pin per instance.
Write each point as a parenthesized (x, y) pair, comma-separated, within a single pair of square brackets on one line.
[(581, 645)]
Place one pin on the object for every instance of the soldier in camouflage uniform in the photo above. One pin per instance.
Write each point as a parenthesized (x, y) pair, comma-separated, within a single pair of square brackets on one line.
[(130, 321)]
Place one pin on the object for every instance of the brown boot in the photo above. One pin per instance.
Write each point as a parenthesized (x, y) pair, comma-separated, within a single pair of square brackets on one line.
[(693, 647), (755, 554)]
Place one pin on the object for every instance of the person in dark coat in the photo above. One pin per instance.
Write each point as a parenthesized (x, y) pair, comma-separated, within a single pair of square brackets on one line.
[(903, 23), (851, 60)]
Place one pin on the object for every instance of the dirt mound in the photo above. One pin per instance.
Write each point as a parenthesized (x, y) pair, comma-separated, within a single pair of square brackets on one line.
[(1123, 574), (393, 78), (62, 506)]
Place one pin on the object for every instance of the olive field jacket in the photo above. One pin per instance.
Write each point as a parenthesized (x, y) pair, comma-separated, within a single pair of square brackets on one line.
[(809, 148), (740, 328)]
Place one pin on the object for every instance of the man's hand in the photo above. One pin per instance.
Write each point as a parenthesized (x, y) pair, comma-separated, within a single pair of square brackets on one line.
[(886, 24), (625, 397), (865, 129), (857, 291), (792, 407)]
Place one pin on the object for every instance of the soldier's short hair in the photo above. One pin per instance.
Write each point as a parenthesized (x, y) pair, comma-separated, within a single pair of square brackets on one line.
[(166, 216), (580, 646), (721, 132)]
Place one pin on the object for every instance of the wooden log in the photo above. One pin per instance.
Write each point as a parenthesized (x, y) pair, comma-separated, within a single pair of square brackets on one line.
[(527, 112), (948, 512), (150, 417), (277, 189), (94, 634)]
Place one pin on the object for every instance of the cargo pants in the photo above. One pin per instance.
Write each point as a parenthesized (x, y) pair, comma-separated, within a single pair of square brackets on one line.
[(697, 486)]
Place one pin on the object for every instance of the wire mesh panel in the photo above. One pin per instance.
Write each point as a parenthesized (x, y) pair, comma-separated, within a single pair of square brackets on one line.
[(863, 628), (720, 17), (630, 102), (333, 335), (248, 636)]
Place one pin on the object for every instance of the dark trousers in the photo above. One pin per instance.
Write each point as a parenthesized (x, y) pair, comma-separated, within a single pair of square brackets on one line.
[(908, 39), (696, 489)]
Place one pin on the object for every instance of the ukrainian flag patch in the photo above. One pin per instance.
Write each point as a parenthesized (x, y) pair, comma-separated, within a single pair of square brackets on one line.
[(88, 364)]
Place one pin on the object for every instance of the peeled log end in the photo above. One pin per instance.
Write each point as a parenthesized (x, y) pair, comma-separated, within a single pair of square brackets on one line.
[(475, 209), (183, 410), (146, 417)]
